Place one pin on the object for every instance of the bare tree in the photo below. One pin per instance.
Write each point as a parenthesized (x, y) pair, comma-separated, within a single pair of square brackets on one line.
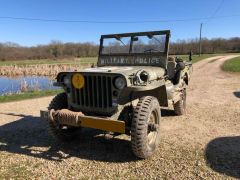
[(58, 50)]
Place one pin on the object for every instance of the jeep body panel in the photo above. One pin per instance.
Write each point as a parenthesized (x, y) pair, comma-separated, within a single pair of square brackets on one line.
[(129, 93)]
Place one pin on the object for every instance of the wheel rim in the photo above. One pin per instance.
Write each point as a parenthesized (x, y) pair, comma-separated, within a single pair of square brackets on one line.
[(153, 124)]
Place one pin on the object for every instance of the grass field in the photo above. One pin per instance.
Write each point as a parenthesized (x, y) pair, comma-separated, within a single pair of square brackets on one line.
[(85, 60), (232, 65), (196, 58), (28, 95)]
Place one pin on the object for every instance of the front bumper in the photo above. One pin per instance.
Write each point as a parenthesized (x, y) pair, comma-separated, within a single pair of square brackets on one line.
[(70, 118)]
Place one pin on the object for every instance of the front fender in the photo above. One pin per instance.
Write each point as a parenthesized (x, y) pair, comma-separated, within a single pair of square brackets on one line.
[(132, 93)]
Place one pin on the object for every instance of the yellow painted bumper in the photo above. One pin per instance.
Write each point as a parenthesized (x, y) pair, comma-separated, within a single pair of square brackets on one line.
[(91, 122)]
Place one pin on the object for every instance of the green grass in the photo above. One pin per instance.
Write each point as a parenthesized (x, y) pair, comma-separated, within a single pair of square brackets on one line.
[(28, 95), (85, 60), (232, 65), (196, 58)]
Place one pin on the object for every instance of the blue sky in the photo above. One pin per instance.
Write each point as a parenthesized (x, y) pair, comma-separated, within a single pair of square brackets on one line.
[(30, 33)]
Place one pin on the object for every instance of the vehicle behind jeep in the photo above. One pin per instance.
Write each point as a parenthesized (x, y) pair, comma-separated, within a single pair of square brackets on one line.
[(133, 78)]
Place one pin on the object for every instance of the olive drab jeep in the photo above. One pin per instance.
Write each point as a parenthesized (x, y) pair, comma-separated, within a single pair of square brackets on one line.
[(133, 78)]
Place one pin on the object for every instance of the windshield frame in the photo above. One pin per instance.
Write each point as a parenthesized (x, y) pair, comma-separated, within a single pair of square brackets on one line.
[(132, 35)]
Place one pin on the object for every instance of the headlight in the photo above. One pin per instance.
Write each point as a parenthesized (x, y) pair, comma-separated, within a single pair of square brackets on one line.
[(66, 81), (144, 76), (119, 83)]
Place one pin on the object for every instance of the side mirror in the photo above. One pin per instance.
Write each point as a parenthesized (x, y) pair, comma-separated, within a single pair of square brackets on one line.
[(190, 56)]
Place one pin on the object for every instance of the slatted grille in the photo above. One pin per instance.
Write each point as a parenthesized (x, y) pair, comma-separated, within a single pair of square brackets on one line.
[(96, 93)]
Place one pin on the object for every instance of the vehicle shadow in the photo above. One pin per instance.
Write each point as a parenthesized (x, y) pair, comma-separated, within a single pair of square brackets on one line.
[(237, 94), (29, 136), (223, 155)]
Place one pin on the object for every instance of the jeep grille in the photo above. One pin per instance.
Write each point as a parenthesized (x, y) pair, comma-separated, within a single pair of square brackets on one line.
[(96, 95)]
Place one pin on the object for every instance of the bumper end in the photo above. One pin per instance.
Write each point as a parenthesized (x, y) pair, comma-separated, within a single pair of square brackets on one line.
[(80, 120)]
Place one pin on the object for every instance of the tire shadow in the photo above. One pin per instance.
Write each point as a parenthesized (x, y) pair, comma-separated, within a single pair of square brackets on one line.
[(167, 112), (29, 136), (237, 94), (223, 155)]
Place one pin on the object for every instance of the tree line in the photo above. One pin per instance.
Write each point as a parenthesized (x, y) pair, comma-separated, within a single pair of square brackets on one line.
[(53, 50), (59, 50), (208, 46)]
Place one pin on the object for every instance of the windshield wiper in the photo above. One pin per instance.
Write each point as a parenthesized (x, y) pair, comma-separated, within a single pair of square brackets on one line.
[(119, 39), (150, 50), (150, 36)]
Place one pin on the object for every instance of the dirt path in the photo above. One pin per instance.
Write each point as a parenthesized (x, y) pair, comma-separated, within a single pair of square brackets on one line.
[(203, 144)]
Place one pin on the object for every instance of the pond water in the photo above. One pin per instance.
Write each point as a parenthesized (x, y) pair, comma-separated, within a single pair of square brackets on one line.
[(16, 84)]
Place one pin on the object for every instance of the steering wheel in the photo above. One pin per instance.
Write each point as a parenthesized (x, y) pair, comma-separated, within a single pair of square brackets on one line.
[(150, 50)]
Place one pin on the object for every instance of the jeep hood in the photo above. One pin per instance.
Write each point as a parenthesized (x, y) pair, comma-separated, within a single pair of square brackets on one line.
[(128, 70)]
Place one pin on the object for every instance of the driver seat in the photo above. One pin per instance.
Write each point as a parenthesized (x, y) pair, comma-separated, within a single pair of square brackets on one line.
[(171, 68)]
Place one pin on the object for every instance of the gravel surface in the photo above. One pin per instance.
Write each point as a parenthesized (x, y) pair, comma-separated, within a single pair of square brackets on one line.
[(204, 144)]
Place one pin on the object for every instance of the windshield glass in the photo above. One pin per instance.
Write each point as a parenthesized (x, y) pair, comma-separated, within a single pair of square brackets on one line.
[(116, 45), (148, 44), (134, 44)]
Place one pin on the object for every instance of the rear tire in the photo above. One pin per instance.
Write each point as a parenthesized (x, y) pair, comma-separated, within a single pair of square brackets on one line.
[(180, 106), (60, 132), (145, 133)]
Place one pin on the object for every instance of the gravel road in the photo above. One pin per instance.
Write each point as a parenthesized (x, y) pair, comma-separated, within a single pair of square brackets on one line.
[(203, 144)]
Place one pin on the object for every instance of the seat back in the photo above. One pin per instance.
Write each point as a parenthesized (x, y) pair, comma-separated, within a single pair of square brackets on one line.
[(171, 67)]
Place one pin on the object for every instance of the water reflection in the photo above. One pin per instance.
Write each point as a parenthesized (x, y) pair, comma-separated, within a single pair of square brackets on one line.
[(14, 84)]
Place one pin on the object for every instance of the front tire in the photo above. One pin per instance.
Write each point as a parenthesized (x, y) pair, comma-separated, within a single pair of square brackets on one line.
[(60, 132), (145, 131)]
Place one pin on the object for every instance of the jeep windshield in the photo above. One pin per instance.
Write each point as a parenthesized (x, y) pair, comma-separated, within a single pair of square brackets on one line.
[(134, 44), (142, 48)]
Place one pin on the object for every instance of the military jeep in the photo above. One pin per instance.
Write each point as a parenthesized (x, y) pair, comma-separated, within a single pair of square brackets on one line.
[(133, 78)]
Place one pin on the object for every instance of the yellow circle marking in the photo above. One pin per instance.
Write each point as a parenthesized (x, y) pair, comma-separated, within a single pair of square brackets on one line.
[(78, 80)]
